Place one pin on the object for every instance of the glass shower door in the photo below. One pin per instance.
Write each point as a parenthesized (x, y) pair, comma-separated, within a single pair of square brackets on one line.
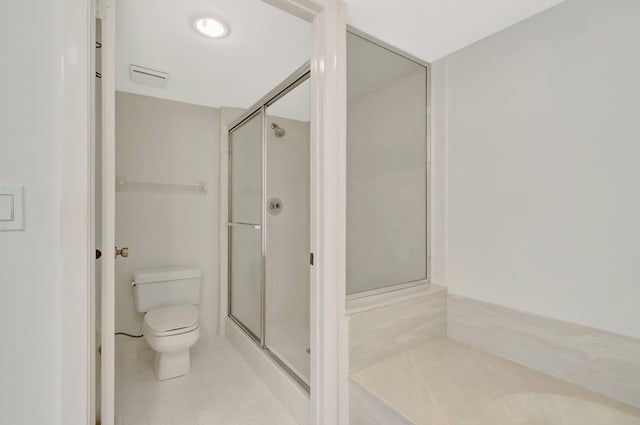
[(287, 290), (246, 280), (269, 226)]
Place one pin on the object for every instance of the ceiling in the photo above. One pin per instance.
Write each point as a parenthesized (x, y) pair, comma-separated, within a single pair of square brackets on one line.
[(433, 29), (266, 45)]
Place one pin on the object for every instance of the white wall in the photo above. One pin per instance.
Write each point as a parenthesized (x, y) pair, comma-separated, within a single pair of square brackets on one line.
[(45, 82), (165, 141), (541, 129), (28, 263)]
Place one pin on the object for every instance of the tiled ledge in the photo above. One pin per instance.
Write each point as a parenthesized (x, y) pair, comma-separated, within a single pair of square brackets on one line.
[(391, 323), (366, 408), (360, 305), (446, 382), (601, 361)]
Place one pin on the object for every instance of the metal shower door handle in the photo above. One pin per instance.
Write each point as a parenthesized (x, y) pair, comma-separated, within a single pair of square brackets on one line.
[(255, 226)]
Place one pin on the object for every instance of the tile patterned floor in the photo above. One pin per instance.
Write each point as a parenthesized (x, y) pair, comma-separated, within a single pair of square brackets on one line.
[(222, 389)]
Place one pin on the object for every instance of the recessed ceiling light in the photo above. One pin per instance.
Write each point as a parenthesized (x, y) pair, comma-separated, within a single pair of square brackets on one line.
[(211, 27)]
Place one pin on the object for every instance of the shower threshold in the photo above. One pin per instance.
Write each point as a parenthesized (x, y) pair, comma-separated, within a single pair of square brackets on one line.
[(289, 369)]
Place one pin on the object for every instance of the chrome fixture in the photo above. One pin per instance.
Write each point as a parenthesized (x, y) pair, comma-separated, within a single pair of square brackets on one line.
[(279, 131), (275, 206)]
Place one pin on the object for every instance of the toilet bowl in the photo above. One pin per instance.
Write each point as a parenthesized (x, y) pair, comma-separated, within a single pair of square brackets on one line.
[(168, 297), (170, 331)]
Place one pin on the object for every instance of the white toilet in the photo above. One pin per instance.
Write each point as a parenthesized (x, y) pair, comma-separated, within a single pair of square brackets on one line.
[(168, 297)]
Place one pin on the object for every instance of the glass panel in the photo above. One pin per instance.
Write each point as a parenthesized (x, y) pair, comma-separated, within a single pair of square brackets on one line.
[(245, 162), (386, 168), (287, 233), (245, 236), (246, 276)]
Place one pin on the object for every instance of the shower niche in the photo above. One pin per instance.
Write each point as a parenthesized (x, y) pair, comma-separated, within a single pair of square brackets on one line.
[(268, 243)]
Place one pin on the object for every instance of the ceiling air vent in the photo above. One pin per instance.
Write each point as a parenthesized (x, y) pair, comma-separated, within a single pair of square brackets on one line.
[(148, 77)]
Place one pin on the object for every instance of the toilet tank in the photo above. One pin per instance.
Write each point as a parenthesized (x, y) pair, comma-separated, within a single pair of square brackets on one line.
[(160, 287)]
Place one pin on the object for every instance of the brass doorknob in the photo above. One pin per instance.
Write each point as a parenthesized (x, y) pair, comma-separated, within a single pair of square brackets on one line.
[(123, 252)]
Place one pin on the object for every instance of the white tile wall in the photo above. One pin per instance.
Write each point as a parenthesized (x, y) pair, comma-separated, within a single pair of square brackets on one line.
[(222, 389)]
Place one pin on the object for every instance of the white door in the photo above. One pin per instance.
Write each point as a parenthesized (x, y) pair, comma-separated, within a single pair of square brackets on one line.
[(106, 11)]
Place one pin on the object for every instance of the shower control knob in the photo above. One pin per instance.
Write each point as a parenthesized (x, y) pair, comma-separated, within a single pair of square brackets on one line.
[(275, 206), (123, 252)]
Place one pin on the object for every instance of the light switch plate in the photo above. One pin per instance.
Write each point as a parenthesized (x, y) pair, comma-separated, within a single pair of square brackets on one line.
[(6, 207), (11, 207)]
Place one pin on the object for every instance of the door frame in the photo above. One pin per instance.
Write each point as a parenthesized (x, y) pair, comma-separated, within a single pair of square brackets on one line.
[(106, 12), (72, 131), (329, 355), (329, 349)]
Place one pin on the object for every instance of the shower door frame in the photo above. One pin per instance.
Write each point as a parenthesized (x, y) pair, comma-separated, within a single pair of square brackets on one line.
[(259, 339), (393, 287), (298, 77), (329, 376)]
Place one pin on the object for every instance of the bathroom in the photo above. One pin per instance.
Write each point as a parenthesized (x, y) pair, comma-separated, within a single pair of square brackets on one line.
[(174, 127), (333, 213), (197, 176)]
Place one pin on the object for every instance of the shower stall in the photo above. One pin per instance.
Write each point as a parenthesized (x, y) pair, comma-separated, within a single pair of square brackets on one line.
[(387, 216), (268, 226)]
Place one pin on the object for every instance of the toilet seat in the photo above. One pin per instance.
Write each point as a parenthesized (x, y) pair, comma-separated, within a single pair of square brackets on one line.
[(171, 320)]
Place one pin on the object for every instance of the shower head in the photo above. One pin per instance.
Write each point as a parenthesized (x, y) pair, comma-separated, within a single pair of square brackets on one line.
[(279, 131)]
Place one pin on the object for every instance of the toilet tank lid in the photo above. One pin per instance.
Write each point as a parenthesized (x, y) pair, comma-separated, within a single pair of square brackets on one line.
[(163, 274)]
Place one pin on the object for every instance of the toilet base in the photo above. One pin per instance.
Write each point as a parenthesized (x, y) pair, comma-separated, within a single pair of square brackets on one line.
[(171, 365)]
